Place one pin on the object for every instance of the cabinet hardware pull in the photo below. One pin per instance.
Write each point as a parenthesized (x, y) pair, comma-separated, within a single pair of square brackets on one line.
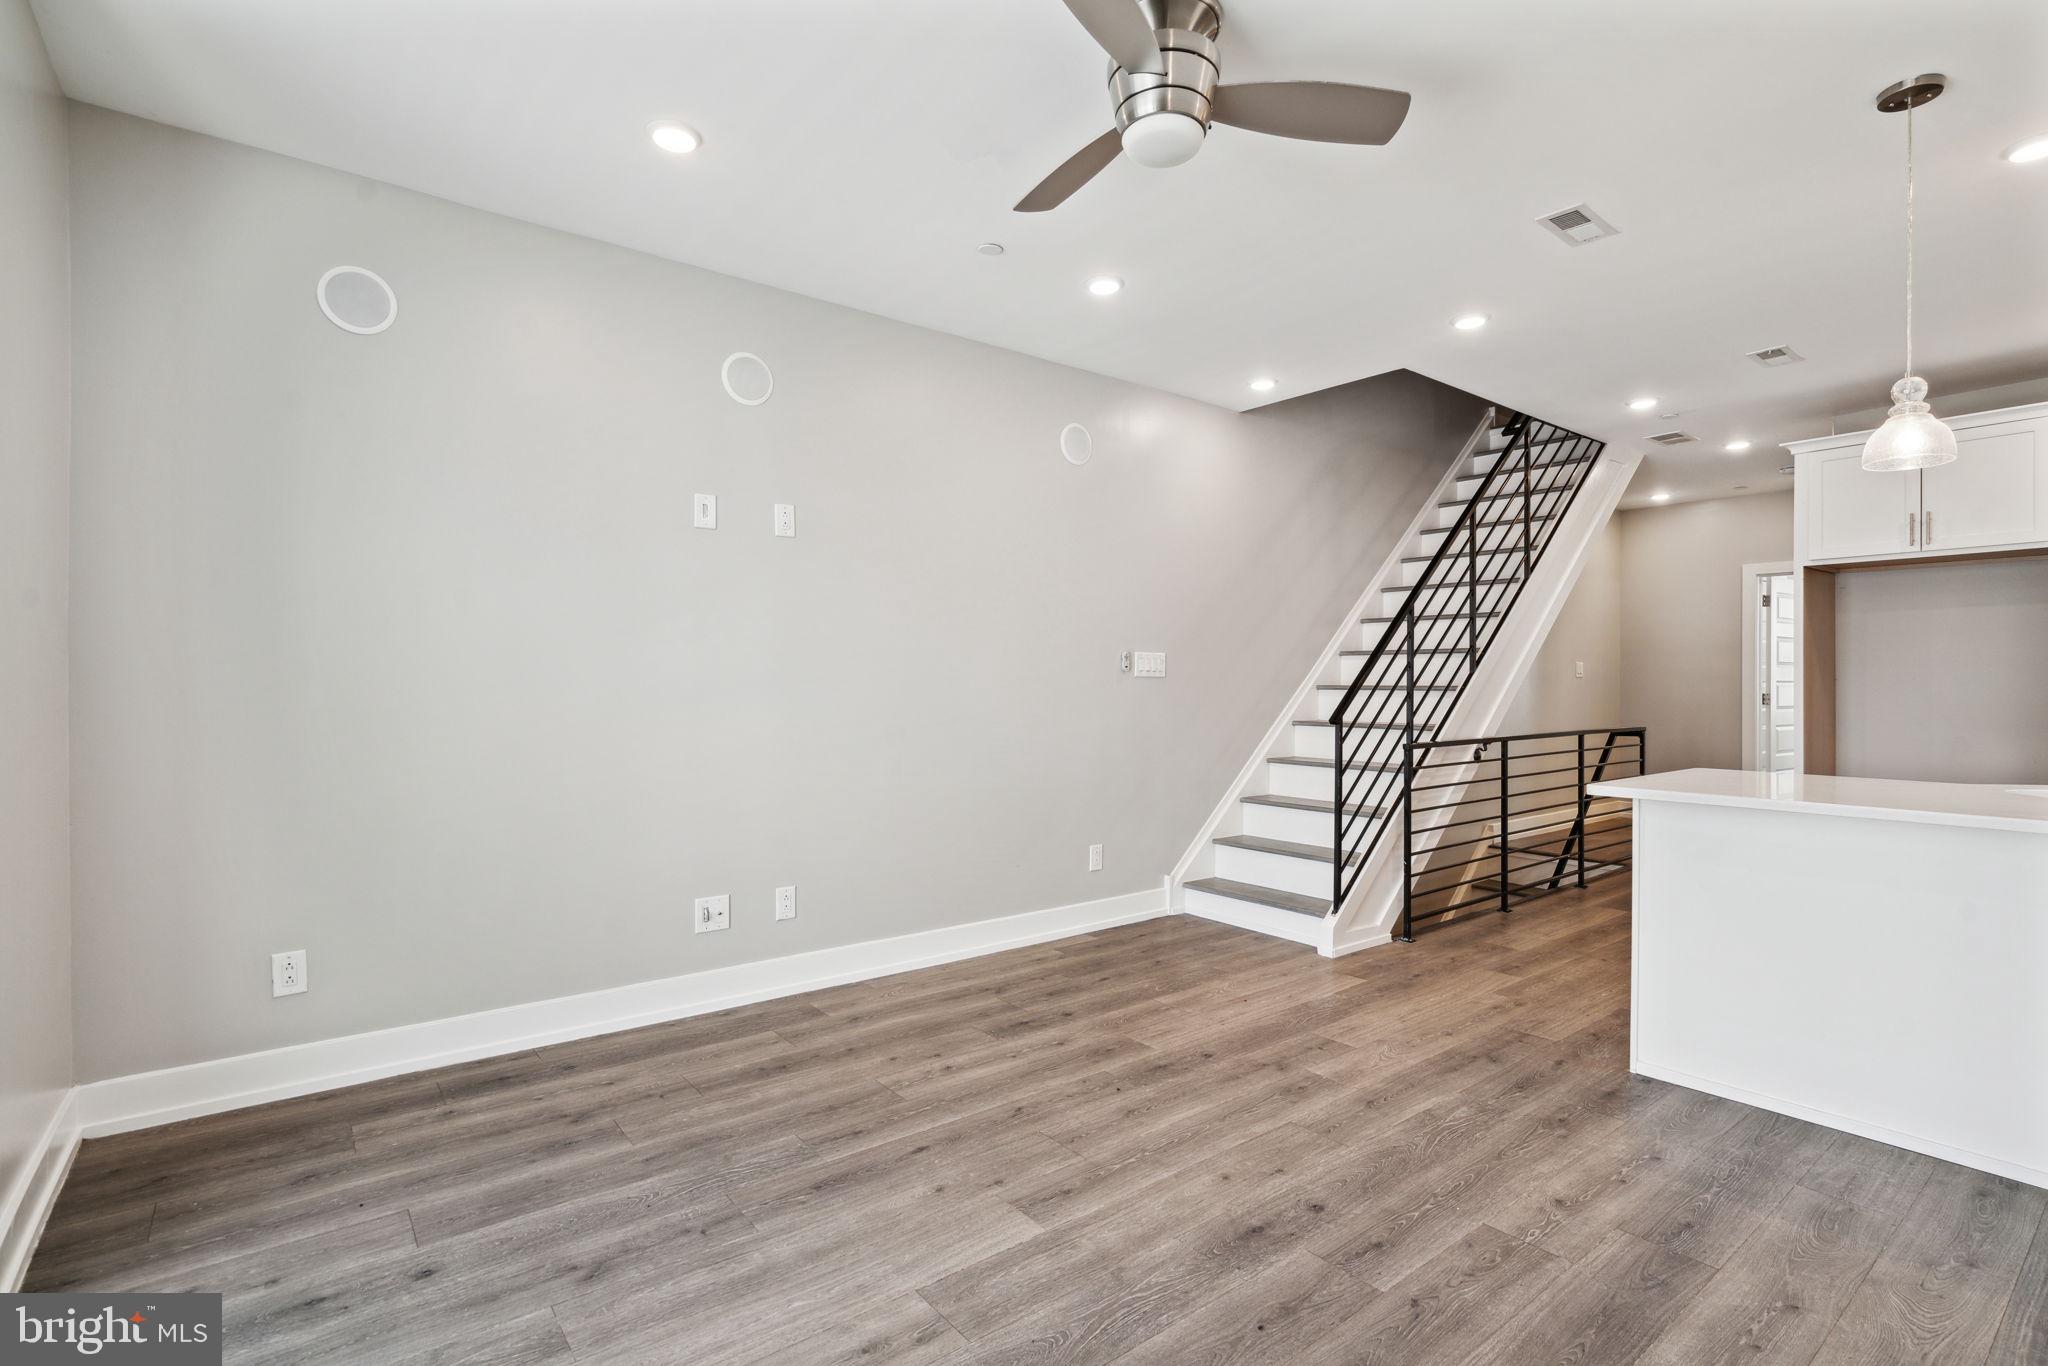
[(1927, 528), (1912, 530)]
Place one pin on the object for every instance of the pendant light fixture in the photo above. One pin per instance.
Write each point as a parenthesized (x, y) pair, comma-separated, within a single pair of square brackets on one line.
[(1912, 438)]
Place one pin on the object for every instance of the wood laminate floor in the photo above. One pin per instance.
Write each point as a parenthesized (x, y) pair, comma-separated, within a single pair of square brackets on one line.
[(1168, 1143)]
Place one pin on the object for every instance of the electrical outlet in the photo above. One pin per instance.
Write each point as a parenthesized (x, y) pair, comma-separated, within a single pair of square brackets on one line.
[(1123, 661), (704, 511), (1582, 673), (288, 973), (785, 519), (1149, 664), (785, 903), (1094, 858), (713, 913)]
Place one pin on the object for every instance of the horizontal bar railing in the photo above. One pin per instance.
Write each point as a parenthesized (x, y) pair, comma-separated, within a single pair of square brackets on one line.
[(1416, 673), (1560, 842)]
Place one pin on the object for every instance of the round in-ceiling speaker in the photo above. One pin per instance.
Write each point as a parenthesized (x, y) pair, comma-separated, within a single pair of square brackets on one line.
[(356, 300), (747, 378), (1076, 444)]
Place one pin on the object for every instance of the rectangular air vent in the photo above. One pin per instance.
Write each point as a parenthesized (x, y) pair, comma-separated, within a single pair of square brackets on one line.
[(1672, 438), (1578, 225), (1776, 355)]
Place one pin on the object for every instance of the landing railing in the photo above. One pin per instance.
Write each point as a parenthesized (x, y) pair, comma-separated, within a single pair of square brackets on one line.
[(1512, 818), (1433, 644)]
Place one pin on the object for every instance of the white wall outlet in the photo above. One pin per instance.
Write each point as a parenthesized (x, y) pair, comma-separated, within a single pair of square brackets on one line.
[(785, 903), (1123, 661), (288, 973), (1094, 858), (1581, 664), (713, 913), (1149, 664), (704, 511), (785, 519)]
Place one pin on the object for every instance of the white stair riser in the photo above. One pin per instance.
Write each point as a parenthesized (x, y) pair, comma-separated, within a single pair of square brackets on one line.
[(1280, 871), (1497, 536), (1542, 451), (1286, 823), (1441, 598), (1313, 742), (1510, 483), (1373, 704), (1303, 929), (1300, 780), (1431, 668)]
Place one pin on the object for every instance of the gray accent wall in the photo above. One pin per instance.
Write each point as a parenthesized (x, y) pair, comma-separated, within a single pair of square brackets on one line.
[(35, 416), (1941, 672), (401, 649)]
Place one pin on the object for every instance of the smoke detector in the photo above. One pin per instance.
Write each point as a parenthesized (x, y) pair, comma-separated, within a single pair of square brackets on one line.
[(1776, 355), (1671, 438), (1578, 225)]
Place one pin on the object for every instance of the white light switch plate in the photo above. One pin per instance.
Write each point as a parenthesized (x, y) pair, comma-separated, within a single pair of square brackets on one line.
[(704, 511), (1149, 664), (785, 519), (785, 903), (713, 913)]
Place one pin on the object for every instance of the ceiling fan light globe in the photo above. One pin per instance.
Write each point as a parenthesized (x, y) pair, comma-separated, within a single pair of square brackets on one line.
[(1163, 139)]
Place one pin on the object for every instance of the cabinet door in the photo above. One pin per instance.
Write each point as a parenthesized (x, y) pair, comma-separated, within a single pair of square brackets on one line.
[(1994, 493), (1851, 511)]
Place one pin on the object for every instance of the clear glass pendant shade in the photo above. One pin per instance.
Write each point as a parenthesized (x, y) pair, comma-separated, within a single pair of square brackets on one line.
[(1912, 438)]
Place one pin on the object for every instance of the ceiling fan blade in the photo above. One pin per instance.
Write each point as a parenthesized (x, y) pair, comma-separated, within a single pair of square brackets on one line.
[(1317, 111), (1123, 31), (1076, 171)]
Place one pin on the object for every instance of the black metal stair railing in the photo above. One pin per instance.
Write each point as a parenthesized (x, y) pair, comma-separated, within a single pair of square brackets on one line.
[(1416, 674), (1512, 818)]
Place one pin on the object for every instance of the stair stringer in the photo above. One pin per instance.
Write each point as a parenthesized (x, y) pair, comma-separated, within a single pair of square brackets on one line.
[(1227, 818), (1370, 914)]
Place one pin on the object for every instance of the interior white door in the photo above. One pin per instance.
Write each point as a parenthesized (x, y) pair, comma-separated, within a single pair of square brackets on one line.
[(1851, 511), (1777, 695), (1995, 492)]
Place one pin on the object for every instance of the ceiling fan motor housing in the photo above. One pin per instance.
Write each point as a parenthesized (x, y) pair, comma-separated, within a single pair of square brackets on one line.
[(1173, 107)]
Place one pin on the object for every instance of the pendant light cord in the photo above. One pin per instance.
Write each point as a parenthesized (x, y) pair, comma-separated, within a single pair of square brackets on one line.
[(1909, 240)]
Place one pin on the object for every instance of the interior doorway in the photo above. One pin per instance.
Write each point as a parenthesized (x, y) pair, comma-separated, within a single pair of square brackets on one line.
[(1770, 695)]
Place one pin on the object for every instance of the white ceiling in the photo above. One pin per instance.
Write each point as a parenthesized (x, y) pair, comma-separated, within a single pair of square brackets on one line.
[(858, 153)]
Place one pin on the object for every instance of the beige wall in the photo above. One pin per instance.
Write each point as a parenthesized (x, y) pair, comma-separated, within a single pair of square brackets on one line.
[(1939, 672), (1587, 632), (1681, 621), (35, 359), (401, 649)]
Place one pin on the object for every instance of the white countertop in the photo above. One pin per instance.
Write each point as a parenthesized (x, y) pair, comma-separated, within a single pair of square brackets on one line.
[(1985, 806)]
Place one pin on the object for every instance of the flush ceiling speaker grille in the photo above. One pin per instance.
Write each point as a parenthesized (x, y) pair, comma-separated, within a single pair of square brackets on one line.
[(1672, 438), (1577, 225), (356, 300), (1776, 355)]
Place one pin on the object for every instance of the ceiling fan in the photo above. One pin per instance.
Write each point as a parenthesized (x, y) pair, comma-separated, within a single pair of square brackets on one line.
[(1163, 83)]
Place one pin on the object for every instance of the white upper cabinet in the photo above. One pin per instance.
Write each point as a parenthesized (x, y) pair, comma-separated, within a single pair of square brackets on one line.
[(1993, 497)]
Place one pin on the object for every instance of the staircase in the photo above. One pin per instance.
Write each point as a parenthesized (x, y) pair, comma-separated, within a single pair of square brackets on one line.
[(1301, 843)]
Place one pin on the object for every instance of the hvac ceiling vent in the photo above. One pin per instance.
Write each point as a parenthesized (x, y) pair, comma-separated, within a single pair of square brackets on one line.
[(1578, 225), (1776, 355), (1672, 438)]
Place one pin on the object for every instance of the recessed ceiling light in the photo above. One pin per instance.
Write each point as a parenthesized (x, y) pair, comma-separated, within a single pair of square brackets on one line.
[(2031, 149), (1641, 405), (990, 248), (675, 137), (1263, 385), (1102, 286), (1738, 444), (1471, 322), (1660, 497)]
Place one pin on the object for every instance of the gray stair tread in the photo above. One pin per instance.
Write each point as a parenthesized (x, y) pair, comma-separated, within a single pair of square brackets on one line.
[(1315, 853), (1424, 650), (1322, 804), (1389, 687), (1450, 583), (1425, 616), (1308, 762), (1264, 896), (1305, 721)]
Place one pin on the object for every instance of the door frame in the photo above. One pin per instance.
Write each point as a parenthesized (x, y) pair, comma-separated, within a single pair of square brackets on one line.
[(1751, 741)]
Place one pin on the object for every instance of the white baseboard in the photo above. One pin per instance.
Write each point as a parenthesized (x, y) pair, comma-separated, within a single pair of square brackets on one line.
[(28, 1204), (1827, 1119), (150, 1098)]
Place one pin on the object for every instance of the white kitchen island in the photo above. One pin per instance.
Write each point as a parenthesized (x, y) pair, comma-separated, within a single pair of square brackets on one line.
[(1866, 954)]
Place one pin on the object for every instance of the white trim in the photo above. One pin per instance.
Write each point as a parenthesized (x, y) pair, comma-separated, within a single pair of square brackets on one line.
[(27, 1206), (1998, 1166), (1752, 738), (119, 1104), (1222, 820)]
